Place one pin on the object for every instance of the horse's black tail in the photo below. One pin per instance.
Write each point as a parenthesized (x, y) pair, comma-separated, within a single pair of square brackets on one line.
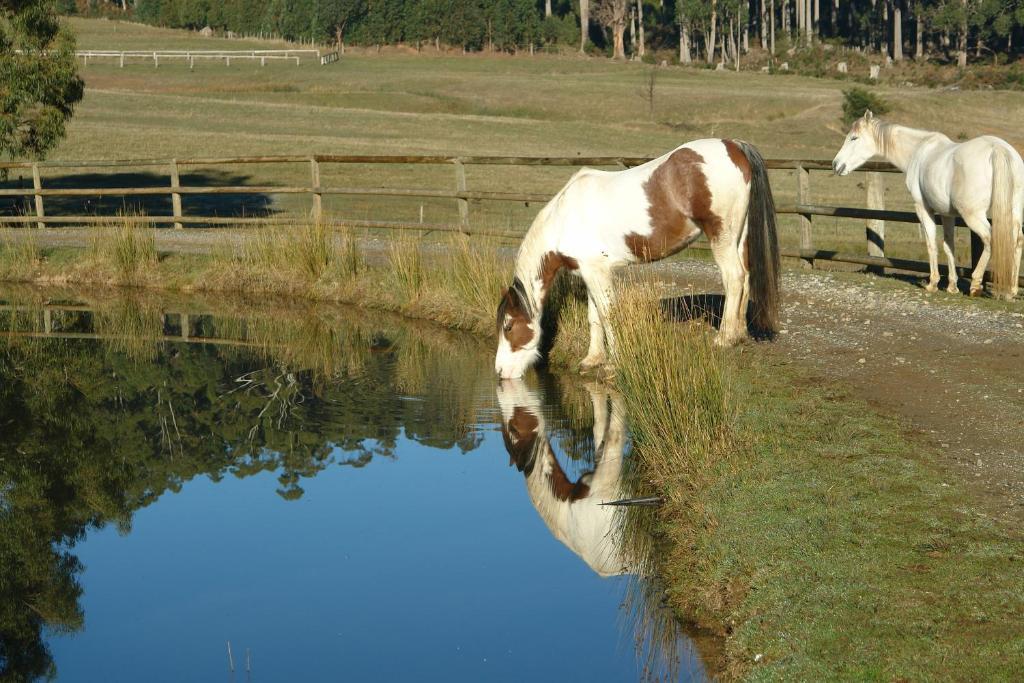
[(762, 245)]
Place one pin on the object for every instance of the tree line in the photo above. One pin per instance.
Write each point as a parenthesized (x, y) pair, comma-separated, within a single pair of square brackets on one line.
[(697, 30)]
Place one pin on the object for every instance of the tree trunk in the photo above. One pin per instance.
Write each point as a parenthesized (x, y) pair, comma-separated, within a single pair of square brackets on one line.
[(816, 20), (641, 41), (584, 23), (619, 30), (771, 30), (786, 27), (684, 41), (800, 4), (632, 31), (961, 39), (834, 19), (762, 22), (714, 25), (919, 38), (897, 31), (547, 8)]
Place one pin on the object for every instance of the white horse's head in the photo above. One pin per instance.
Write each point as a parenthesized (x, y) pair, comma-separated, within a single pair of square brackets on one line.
[(518, 326), (860, 145)]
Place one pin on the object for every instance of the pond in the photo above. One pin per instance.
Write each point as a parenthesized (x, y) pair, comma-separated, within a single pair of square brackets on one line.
[(200, 491)]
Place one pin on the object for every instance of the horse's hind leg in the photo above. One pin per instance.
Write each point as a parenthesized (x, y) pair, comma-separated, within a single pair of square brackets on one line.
[(1015, 283), (928, 226), (949, 246), (980, 226), (734, 319)]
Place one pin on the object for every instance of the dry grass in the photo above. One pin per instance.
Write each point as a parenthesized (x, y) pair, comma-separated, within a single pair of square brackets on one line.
[(125, 251), (19, 256)]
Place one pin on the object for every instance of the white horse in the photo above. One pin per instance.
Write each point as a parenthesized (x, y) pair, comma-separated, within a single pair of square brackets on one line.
[(968, 179), (571, 510), (602, 220)]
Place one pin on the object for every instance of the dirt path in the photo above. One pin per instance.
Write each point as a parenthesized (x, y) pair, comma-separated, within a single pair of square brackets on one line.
[(951, 368)]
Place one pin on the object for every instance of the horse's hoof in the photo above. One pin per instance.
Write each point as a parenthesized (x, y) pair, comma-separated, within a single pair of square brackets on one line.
[(977, 291), (931, 288), (953, 289), (590, 364)]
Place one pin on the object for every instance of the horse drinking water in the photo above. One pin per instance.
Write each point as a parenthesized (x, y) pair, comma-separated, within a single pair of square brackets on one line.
[(969, 179), (602, 220)]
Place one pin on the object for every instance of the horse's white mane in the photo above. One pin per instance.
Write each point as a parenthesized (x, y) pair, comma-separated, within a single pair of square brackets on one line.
[(892, 139)]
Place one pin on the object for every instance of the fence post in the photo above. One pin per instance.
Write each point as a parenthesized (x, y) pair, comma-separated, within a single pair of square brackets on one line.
[(37, 185), (175, 196), (803, 195), (875, 229), (460, 186), (186, 326), (318, 198), (47, 321), (122, 60)]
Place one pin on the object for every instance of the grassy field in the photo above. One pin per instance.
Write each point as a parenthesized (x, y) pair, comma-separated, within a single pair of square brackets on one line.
[(400, 102)]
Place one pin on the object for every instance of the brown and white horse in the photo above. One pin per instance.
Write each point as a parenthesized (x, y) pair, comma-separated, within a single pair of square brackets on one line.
[(572, 510), (602, 220)]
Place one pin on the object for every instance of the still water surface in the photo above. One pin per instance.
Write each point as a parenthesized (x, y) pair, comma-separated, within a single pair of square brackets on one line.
[(341, 497)]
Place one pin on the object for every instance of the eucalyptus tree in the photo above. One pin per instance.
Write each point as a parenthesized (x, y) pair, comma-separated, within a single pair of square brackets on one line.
[(39, 82)]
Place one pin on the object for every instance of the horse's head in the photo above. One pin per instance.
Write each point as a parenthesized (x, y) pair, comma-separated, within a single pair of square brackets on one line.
[(518, 326), (522, 423), (859, 146)]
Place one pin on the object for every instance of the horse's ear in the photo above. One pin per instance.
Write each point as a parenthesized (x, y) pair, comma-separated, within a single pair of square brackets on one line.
[(504, 292), (868, 115)]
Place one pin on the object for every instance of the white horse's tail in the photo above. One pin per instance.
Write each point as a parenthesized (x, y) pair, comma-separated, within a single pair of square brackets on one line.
[(762, 244), (1004, 224)]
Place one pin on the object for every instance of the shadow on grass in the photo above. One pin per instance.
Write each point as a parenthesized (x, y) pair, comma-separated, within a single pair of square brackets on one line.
[(221, 205)]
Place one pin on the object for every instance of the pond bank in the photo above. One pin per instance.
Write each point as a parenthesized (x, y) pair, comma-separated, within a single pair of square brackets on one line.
[(820, 537)]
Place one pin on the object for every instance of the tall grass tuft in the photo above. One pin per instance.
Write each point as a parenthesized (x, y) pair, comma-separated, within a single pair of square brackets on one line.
[(19, 254), (677, 388), (127, 249), (406, 268)]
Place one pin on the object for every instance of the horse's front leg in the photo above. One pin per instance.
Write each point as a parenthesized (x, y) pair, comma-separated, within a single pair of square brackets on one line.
[(599, 302), (595, 354), (949, 246), (928, 226)]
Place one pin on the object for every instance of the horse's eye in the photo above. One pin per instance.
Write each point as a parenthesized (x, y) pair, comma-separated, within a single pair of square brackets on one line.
[(508, 326), (853, 138)]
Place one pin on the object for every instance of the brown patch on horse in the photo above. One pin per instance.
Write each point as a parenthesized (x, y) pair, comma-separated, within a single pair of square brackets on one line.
[(739, 159), (562, 487), (520, 435), (550, 264), (679, 204), (513, 317)]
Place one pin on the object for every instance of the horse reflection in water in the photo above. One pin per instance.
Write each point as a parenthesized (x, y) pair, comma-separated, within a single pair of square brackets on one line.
[(573, 511)]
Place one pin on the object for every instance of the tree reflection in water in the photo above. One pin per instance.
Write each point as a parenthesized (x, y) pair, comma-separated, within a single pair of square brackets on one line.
[(104, 408)]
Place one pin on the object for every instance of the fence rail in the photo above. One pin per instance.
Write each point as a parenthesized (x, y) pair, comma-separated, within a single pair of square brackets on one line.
[(875, 215)]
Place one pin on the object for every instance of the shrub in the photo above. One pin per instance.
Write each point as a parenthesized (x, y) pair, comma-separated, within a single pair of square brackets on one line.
[(858, 100)]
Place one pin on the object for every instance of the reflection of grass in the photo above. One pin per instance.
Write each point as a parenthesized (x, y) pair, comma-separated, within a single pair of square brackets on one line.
[(132, 325)]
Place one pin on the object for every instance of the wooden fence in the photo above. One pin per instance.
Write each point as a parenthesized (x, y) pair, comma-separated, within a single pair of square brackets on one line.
[(874, 214)]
